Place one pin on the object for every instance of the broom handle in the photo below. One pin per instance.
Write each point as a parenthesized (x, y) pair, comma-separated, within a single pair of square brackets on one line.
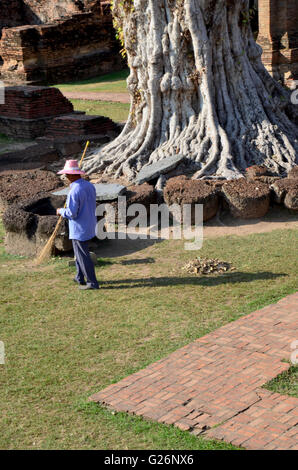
[(84, 153)]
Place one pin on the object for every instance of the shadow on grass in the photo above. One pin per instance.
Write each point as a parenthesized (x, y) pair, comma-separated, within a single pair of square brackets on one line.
[(137, 261), (111, 77), (104, 262), (232, 278)]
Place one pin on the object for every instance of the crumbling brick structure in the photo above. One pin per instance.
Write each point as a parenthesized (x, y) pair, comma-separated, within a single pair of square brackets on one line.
[(28, 111), (34, 102), (54, 42), (278, 36), (35, 111), (79, 124)]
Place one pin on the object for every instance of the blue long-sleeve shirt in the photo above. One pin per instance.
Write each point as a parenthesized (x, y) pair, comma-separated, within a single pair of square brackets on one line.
[(80, 210)]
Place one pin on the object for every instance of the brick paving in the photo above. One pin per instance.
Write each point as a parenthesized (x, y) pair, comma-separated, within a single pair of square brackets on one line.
[(212, 387)]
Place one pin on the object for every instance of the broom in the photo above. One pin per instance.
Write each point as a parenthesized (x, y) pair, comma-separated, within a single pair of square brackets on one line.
[(47, 250)]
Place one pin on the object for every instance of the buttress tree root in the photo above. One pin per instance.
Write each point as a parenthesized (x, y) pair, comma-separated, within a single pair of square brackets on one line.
[(198, 88)]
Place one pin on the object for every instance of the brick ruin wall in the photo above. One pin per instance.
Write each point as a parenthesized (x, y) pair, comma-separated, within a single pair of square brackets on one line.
[(36, 111), (34, 102), (278, 37), (28, 111), (74, 44)]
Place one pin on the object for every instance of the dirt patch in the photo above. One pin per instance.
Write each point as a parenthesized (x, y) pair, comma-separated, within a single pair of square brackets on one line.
[(143, 194), (181, 190), (97, 96), (100, 177), (15, 219), (28, 226), (247, 199), (17, 186), (225, 224)]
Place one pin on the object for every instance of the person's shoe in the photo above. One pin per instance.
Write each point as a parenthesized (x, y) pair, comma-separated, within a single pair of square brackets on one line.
[(83, 283), (87, 287)]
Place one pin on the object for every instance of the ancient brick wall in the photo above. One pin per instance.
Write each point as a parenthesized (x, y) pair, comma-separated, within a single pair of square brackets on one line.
[(34, 111), (28, 111), (77, 47), (79, 124), (278, 36), (34, 102)]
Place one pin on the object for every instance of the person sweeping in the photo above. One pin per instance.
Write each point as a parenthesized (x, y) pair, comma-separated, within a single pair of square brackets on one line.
[(80, 212)]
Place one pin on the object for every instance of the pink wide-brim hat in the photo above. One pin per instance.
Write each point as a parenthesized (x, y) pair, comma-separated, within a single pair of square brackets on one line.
[(71, 167)]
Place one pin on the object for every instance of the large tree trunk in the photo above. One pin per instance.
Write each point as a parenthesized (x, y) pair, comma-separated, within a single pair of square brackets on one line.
[(198, 88)]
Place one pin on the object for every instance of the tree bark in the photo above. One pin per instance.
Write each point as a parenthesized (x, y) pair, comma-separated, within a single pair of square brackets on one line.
[(198, 88)]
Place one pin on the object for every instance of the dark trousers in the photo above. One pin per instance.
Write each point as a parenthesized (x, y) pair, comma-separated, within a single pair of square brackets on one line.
[(84, 264)]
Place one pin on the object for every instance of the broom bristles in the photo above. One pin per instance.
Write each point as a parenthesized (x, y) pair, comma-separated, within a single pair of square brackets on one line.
[(47, 250)]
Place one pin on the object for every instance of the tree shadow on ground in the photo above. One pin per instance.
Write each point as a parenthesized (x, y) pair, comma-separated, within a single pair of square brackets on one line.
[(138, 261), (117, 248), (210, 281), (107, 78)]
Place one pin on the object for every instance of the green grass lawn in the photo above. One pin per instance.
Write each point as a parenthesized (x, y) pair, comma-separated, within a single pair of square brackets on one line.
[(285, 383), (63, 344), (118, 112), (112, 82)]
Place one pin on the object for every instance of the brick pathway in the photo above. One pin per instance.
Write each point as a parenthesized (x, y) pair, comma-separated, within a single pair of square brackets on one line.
[(217, 380)]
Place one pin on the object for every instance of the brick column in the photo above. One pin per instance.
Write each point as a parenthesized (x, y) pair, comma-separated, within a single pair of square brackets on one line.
[(292, 52), (278, 38)]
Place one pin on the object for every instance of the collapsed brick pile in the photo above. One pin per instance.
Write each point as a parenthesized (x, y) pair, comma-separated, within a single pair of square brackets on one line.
[(79, 124), (286, 192), (260, 173), (34, 102), (207, 266), (18, 186)]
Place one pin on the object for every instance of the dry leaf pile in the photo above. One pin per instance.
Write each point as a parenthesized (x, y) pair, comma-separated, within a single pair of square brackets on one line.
[(207, 266)]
